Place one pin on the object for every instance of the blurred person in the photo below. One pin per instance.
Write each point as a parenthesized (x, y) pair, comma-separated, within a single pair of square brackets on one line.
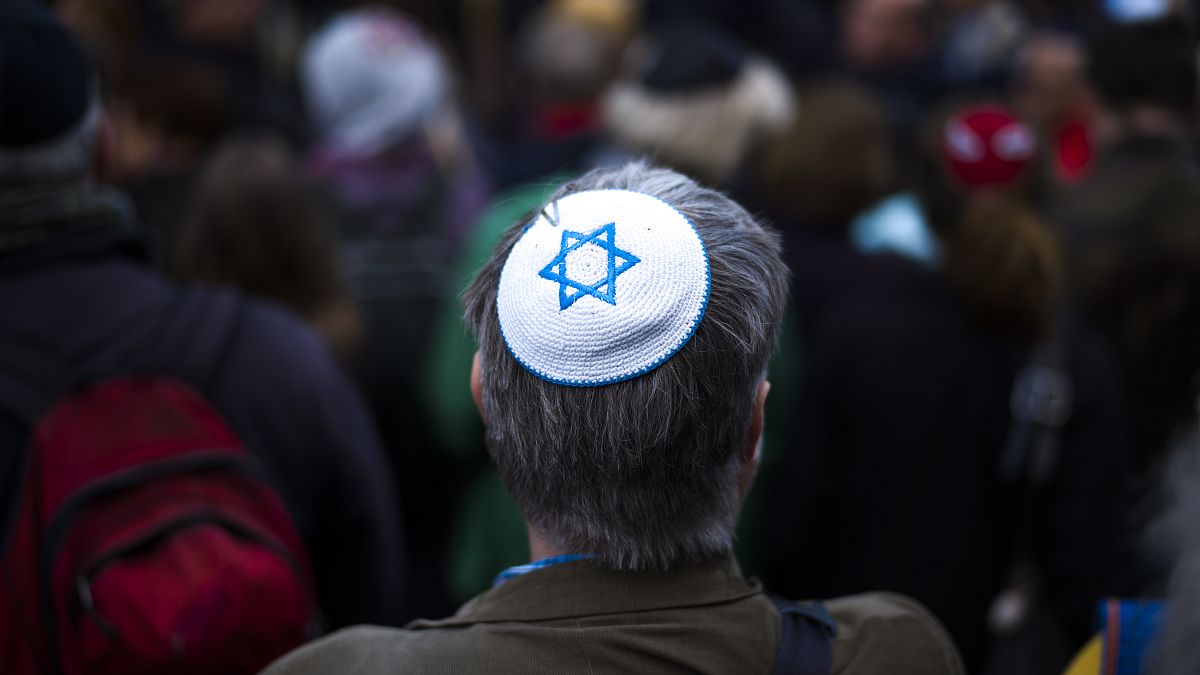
[(697, 100), (251, 223), (110, 30), (624, 416), (565, 55), (1130, 230), (960, 438), (1068, 14), (380, 94), (241, 42), (219, 23), (1050, 87), (1155, 632), (799, 37), (880, 34), (177, 77), (890, 47), (980, 39), (165, 114), (812, 179), (392, 166), (81, 302), (832, 162)]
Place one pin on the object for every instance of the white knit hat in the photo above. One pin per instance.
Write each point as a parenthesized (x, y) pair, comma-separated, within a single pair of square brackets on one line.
[(371, 79), (603, 286)]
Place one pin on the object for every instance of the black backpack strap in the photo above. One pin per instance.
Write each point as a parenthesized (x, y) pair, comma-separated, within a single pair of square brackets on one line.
[(31, 381), (1041, 403), (195, 342), (806, 647)]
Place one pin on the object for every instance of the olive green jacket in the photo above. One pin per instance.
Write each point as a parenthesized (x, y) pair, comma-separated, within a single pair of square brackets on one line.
[(580, 617)]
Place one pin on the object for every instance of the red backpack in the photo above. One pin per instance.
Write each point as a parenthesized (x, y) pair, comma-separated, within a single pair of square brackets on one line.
[(144, 540)]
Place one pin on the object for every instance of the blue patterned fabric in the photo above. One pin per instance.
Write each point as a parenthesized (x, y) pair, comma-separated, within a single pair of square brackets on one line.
[(1129, 627)]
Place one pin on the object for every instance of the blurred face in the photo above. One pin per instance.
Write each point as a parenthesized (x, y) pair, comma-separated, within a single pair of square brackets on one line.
[(219, 22), (131, 144), (1054, 83), (877, 33)]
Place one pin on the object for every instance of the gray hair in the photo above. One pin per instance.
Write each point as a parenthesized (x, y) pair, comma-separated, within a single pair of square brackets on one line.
[(69, 157), (642, 473), (1173, 540)]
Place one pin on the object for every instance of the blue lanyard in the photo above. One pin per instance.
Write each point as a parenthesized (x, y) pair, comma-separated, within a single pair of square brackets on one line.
[(518, 570)]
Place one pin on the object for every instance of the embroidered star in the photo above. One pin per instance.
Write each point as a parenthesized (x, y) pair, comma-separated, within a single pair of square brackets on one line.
[(605, 288)]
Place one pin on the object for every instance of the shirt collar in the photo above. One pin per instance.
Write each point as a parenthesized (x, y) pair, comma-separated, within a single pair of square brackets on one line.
[(586, 587), (518, 570)]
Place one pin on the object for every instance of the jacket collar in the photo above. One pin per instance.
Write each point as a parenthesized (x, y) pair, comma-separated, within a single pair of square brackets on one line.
[(588, 588), (40, 226)]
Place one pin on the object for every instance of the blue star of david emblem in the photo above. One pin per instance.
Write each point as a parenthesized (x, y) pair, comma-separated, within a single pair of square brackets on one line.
[(570, 290)]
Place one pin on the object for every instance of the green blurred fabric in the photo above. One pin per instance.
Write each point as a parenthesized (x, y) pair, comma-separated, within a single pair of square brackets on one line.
[(489, 531), (784, 373)]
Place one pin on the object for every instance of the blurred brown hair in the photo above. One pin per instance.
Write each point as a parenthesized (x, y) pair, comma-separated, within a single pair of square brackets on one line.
[(111, 29), (831, 162), (1006, 265), (251, 223), (998, 252)]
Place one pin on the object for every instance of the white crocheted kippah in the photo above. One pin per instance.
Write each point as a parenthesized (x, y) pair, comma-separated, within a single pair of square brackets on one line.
[(603, 286)]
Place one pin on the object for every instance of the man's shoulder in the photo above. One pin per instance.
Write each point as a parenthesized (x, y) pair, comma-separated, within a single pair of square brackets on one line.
[(274, 343), (141, 319), (889, 633), (361, 649), (876, 633), (369, 650), (267, 318)]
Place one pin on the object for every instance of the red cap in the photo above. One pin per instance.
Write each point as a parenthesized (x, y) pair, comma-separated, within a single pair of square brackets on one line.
[(987, 145)]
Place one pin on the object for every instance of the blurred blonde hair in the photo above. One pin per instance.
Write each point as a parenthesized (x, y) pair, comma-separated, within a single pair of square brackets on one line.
[(704, 132)]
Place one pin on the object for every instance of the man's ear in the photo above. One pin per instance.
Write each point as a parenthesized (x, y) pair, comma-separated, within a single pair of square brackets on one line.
[(752, 450), (757, 421), (477, 387)]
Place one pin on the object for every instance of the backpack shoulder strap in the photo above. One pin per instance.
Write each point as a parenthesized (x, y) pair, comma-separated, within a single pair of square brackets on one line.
[(31, 381), (806, 647), (195, 342), (1041, 403)]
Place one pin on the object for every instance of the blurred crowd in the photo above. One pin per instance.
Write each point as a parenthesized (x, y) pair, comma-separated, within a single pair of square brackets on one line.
[(990, 210)]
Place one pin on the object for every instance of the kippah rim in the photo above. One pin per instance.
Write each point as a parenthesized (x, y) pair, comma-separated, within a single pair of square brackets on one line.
[(565, 382)]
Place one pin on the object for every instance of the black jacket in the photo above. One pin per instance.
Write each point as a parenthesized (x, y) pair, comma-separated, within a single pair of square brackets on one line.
[(891, 479)]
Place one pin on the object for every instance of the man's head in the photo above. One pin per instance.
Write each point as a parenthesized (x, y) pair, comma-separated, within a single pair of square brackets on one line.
[(884, 34), (648, 471), (838, 152), (49, 113)]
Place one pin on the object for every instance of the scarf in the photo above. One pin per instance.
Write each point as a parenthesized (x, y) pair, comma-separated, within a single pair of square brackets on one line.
[(37, 214)]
